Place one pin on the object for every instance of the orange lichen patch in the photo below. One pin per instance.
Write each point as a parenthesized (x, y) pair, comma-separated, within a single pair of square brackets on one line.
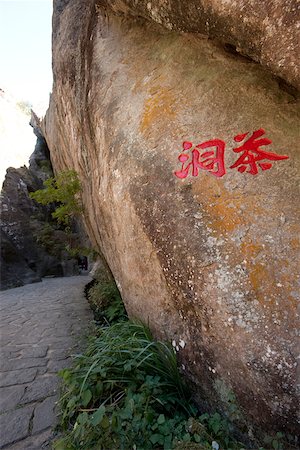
[(218, 204), (158, 109), (225, 218), (288, 270), (250, 250), (227, 210), (295, 243), (259, 277), (263, 283), (270, 283)]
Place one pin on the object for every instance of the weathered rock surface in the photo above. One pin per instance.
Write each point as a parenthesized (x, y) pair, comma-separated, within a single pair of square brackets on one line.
[(19, 251), (267, 32), (210, 262)]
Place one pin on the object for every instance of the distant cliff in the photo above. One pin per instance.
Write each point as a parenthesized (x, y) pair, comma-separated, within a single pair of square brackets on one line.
[(188, 154), (32, 246)]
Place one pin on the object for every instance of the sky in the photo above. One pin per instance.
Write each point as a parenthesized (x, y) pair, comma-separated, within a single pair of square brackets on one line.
[(25, 50)]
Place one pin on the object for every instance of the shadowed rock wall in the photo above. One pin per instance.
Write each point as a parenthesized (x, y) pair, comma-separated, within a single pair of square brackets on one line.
[(210, 262)]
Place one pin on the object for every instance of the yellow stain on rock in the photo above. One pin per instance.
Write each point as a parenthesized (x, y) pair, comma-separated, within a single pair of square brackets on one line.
[(268, 279), (226, 210), (218, 204), (158, 109), (259, 277), (295, 243), (261, 280), (250, 250)]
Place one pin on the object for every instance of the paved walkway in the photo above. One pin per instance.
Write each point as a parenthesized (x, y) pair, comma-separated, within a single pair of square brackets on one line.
[(40, 326)]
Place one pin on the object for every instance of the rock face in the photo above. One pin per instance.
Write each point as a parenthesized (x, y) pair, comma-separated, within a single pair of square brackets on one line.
[(16, 268), (267, 32), (210, 260), (30, 247)]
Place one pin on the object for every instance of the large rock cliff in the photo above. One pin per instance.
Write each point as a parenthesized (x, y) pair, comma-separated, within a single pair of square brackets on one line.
[(208, 256)]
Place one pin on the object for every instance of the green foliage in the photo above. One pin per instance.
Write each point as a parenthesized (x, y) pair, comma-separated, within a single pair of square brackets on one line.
[(276, 442), (45, 236), (57, 242), (112, 401), (45, 166), (106, 302), (125, 392), (63, 190), (74, 252)]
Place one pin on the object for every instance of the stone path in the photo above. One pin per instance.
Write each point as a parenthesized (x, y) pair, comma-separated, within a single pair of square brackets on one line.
[(41, 325)]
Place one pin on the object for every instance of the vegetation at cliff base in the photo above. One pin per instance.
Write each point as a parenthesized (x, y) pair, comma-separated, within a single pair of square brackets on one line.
[(105, 301), (126, 392)]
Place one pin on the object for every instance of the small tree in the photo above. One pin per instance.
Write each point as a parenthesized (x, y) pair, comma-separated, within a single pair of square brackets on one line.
[(64, 190)]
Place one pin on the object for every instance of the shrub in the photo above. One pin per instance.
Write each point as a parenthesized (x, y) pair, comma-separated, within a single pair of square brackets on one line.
[(106, 302), (63, 190), (46, 237)]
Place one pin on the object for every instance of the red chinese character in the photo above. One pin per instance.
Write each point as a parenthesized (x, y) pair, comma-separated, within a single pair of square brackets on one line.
[(252, 153), (210, 160)]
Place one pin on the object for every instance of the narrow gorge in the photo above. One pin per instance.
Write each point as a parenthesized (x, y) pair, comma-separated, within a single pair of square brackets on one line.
[(182, 123)]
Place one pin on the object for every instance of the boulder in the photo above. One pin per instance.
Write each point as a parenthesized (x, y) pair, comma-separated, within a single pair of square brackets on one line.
[(203, 241), (15, 270)]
